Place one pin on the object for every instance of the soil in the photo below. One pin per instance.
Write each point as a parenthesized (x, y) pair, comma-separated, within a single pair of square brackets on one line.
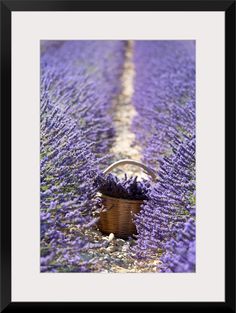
[(116, 256), (124, 146)]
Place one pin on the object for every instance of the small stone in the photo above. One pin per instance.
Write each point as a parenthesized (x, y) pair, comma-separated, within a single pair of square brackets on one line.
[(125, 248), (111, 249), (120, 242), (111, 237), (105, 271)]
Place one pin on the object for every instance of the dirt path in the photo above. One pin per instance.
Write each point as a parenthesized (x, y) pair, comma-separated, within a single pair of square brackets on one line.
[(115, 257), (124, 113)]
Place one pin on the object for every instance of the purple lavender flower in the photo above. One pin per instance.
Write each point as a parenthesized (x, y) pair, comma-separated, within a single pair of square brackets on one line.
[(171, 201), (84, 76), (180, 250), (164, 94), (164, 98), (78, 82), (68, 169)]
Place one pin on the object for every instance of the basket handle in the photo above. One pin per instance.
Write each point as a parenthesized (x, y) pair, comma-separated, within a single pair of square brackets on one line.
[(147, 170)]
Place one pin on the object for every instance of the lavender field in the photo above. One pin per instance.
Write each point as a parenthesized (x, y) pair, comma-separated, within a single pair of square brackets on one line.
[(103, 101)]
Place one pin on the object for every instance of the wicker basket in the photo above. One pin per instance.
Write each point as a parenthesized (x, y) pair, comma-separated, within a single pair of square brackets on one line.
[(118, 213)]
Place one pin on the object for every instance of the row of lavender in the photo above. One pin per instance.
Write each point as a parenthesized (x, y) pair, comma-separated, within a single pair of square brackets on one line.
[(164, 98), (78, 82)]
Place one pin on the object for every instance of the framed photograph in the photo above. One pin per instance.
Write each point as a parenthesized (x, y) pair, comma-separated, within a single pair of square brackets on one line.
[(118, 151)]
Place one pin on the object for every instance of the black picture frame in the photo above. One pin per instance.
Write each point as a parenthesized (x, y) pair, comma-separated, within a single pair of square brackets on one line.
[(7, 7)]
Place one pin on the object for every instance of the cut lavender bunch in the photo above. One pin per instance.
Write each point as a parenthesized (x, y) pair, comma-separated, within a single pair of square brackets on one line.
[(124, 188)]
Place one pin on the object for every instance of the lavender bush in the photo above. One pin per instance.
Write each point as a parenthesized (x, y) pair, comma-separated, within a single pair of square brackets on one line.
[(84, 76), (171, 201), (78, 81), (164, 94), (165, 125), (180, 250), (68, 169)]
